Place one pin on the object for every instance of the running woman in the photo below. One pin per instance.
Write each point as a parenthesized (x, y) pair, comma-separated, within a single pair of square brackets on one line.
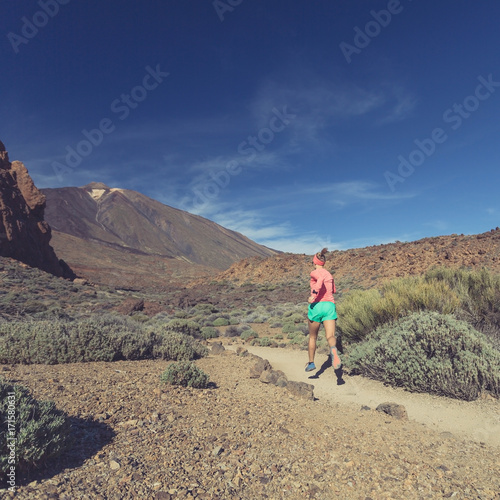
[(322, 310)]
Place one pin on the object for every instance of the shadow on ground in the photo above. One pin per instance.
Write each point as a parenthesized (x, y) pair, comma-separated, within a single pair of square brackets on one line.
[(339, 372), (87, 437)]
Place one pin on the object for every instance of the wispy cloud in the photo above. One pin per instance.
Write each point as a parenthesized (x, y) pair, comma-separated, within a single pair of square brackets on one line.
[(348, 193), (437, 225), (321, 104)]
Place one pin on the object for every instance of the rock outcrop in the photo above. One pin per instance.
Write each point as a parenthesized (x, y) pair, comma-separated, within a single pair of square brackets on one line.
[(24, 235)]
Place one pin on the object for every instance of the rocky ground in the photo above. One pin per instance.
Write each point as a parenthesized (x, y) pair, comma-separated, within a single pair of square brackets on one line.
[(241, 439)]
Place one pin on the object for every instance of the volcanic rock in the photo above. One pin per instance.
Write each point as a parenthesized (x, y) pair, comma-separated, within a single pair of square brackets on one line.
[(24, 235), (393, 409)]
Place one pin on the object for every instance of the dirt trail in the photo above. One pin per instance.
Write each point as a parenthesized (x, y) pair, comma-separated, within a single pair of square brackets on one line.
[(478, 420)]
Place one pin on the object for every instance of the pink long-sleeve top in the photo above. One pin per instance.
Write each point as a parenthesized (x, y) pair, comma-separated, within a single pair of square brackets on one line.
[(322, 286)]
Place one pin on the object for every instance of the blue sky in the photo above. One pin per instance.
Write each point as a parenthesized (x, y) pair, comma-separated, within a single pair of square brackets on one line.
[(300, 124)]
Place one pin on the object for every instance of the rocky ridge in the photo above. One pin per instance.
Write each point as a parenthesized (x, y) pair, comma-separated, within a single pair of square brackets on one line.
[(24, 234), (372, 265)]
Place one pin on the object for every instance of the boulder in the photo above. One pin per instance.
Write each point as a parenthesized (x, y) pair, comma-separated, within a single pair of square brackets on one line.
[(217, 348), (259, 367), (393, 409), (301, 389), (271, 376)]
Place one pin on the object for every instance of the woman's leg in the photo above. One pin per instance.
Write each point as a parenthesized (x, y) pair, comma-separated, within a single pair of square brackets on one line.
[(332, 342), (313, 336)]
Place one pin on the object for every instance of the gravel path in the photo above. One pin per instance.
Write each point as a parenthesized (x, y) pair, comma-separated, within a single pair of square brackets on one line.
[(475, 420), (242, 439)]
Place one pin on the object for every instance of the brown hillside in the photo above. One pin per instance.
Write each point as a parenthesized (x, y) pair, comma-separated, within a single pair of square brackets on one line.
[(370, 266)]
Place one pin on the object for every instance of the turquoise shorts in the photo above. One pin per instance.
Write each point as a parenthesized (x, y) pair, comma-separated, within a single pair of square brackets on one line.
[(322, 311)]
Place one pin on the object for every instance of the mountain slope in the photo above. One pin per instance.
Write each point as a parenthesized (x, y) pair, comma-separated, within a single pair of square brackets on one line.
[(128, 237)]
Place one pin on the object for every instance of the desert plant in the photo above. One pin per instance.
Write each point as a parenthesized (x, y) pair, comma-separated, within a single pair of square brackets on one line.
[(209, 332), (479, 293), (103, 338), (186, 374), (31, 431), (185, 326), (232, 331), (176, 346), (221, 322), (180, 314), (289, 328), (140, 317), (297, 318), (429, 352), (364, 310), (248, 334)]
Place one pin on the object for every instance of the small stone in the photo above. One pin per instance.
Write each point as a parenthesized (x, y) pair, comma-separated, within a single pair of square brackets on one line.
[(217, 451), (114, 465), (162, 495)]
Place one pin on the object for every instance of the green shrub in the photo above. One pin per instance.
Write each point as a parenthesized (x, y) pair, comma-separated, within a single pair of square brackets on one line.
[(205, 308), (140, 317), (186, 374), (248, 334), (364, 310), (177, 347), (479, 293), (221, 322), (180, 314), (298, 341), (289, 328), (103, 338), (297, 318), (185, 326), (209, 332), (429, 352), (34, 306), (41, 431)]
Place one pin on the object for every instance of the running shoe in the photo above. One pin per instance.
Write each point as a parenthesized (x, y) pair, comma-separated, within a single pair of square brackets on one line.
[(336, 362), (310, 367)]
